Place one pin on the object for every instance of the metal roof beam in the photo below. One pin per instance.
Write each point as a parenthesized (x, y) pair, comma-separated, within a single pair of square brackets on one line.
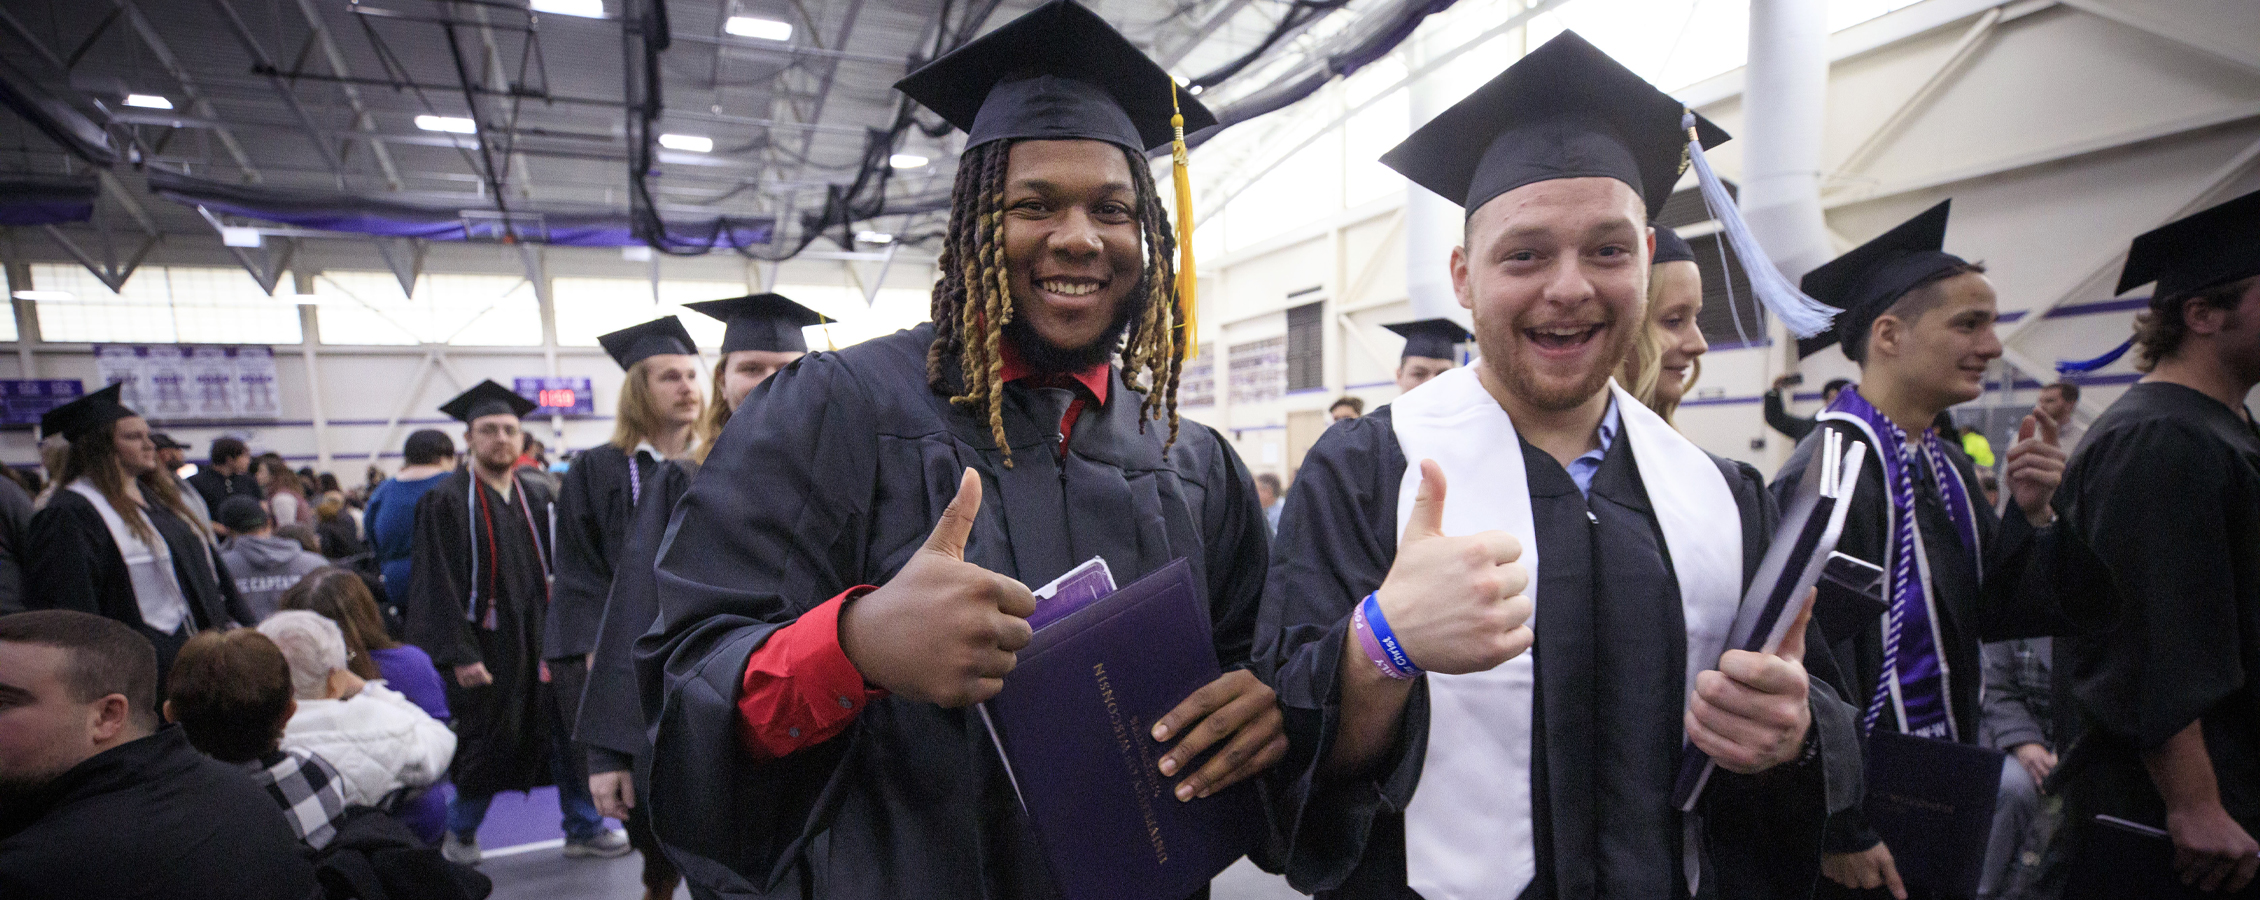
[(196, 102)]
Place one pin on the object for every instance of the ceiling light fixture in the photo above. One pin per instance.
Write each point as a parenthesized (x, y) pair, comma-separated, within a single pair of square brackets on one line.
[(449, 124), (690, 142), (586, 9), (148, 101), (874, 237), (907, 160), (755, 27)]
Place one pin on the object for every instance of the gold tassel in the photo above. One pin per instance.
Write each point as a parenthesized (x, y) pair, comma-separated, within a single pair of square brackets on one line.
[(1187, 306)]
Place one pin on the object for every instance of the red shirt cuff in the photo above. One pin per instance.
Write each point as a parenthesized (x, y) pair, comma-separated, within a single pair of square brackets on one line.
[(800, 689)]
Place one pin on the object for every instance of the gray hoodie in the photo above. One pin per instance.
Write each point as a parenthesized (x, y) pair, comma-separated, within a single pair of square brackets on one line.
[(266, 566)]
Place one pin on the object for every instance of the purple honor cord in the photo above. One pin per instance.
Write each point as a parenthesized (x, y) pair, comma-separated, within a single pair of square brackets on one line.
[(1913, 670)]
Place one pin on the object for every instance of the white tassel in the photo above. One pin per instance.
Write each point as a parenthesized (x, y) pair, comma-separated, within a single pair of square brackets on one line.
[(1803, 315)]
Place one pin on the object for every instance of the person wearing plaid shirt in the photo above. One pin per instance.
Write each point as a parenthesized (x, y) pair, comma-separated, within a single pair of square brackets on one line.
[(306, 787)]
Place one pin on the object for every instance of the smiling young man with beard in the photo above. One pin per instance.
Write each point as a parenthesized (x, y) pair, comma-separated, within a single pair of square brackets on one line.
[(1492, 752), (1919, 322), (813, 734)]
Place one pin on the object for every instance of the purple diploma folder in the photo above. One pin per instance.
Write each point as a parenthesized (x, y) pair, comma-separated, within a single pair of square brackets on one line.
[(1075, 724)]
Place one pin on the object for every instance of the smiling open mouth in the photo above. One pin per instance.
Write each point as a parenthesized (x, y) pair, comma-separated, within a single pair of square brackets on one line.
[(1070, 288), (1562, 337)]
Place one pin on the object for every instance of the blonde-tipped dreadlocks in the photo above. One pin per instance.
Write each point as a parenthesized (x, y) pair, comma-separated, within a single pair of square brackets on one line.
[(973, 300)]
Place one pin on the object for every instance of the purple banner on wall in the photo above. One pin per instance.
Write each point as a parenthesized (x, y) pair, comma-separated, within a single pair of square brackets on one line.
[(22, 402)]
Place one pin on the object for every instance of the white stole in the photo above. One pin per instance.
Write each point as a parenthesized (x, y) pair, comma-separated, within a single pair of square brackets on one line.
[(1470, 836), (149, 566)]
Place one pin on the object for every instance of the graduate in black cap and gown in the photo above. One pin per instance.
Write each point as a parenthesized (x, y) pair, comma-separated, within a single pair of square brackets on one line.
[(2162, 511), (762, 335), (1447, 743), (119, 539), (1664, 366), (814, 734), (1432, 347), (656, 419), (476, 604), (1919, 322)]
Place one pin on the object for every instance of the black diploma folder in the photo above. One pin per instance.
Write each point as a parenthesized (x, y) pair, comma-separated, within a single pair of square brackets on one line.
[(1075, 724), (1932, 802)]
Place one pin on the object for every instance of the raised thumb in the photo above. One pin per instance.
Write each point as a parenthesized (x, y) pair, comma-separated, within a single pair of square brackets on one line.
[(1793, 643), (956, 525), (1428, 505)]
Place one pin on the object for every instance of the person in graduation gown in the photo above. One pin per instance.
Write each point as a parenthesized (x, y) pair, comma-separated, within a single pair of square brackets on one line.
[(657, 419), (2162, 508), (1453, 764), (814, 736), (762, 335), (117, 539), (476, 602), (1663, 366), (1432, 347), (1919, 322)]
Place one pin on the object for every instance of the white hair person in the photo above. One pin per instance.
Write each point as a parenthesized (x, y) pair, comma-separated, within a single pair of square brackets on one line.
[(313, 645)]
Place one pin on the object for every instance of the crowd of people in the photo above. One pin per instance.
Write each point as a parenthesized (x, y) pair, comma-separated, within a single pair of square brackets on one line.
[(756, 626)]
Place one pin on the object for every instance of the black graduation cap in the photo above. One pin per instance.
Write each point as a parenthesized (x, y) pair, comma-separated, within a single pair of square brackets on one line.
[(636, 343), (761, 322), (1670, 247), (2202, 250), (82, 416), (1431, 338), (1566, 110), (487, 399), (1867, 279), (1059, 72)]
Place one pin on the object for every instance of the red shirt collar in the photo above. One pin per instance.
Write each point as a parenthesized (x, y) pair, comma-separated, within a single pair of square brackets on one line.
[(1096, 378)]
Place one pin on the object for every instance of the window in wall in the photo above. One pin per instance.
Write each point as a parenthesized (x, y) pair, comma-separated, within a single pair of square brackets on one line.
[(8, 326), (588, 307), (465, 310), (1196, 386), (1306, 347), (1740, 323), (1258, 370), (163, 304)]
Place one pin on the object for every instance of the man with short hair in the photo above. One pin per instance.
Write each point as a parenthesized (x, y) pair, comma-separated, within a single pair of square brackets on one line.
[(1429, 754), (230, 693), (1346, 407), (171, 457), (477, 601), (1273, 496), (1919, 323), (96, 800), (2162, 507), (263, 564), (227, 474), (2058, 402)]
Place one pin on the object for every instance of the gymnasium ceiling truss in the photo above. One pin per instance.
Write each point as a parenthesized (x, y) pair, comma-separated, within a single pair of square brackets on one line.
[(761, 126)]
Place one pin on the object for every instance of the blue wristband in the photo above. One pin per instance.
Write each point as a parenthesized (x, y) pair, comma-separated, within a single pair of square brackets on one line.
[(1387, 638)]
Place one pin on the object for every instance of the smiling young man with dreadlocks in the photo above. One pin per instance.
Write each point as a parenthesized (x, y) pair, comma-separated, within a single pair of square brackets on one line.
[(813, 733)]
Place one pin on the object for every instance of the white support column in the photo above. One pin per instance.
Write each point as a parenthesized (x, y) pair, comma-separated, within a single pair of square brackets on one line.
[(310, 338), (27, 320), (1784, 103)]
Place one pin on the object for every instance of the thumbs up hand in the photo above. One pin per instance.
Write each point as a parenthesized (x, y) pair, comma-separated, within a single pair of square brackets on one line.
[(1456, 603), (2036, 467), (942, 630), (1750, 713)]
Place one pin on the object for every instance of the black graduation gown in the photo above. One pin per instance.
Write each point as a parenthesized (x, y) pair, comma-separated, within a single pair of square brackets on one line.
[(2013, 598), (612, 719), (502, 732), (594, 507), (72, 562), (1610, 692), (830, 476), (2161, 510), (147, 819)]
